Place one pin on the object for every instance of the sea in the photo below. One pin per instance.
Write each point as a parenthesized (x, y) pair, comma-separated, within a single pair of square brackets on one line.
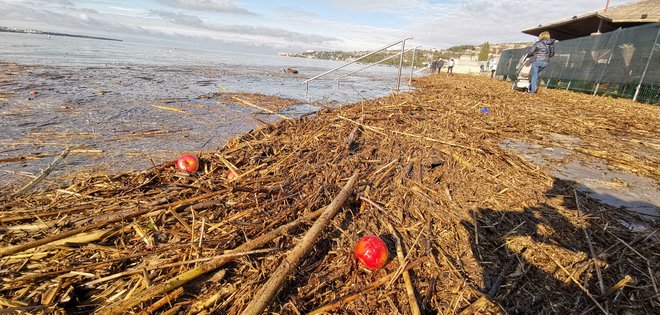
[(370, 83), (130, 105)]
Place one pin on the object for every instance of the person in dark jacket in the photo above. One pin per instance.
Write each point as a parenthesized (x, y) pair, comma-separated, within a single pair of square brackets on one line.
[(441, 63), (541, 52)]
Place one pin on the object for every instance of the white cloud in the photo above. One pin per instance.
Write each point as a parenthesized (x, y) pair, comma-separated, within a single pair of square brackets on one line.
[(178, 17), (225, 6), (477, 21), (376, 6), (434, 24)]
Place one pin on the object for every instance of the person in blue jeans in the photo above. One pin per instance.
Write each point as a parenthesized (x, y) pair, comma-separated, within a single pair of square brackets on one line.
[(541, 52)]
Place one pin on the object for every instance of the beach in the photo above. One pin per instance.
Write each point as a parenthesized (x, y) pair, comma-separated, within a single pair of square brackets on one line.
[(117, 113), (472, 204)]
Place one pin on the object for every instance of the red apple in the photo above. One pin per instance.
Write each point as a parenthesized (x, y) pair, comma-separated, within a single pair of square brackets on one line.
[(371, 251), (188, 163)]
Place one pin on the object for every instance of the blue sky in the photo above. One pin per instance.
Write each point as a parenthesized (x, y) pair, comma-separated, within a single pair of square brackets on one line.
[(297, 25)]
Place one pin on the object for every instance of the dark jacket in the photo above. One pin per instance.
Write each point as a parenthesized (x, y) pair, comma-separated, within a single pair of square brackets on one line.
[(543, 50)]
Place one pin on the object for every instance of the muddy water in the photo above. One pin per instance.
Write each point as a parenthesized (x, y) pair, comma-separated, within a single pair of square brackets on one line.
[(592, 176), (118, 116)]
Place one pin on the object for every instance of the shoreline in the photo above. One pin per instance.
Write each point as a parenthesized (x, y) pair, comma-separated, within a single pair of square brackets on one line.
[(430, 164), (121, 118)]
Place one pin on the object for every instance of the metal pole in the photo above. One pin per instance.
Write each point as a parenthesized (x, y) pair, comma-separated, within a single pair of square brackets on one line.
[(412, 65), (639, 86), (398, 79)]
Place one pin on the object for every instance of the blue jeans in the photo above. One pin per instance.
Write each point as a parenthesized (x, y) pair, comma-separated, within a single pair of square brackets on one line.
[(537, 67)]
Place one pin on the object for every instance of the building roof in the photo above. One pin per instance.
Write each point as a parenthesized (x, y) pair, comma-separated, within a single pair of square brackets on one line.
[(601, 21)]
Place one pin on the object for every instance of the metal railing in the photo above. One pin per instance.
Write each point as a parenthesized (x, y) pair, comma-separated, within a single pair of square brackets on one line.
[(398, 83), (370, 65), (412, 65)]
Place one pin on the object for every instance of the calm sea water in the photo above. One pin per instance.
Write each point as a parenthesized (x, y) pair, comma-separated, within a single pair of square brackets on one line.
[(71, 52)]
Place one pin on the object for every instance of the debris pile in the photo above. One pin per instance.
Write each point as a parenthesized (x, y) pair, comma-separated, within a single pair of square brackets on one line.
[(471, 227)]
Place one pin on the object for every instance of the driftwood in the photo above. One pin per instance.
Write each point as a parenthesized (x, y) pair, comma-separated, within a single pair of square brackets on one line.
[(194, 273), (412, 299), (585, 290), (163, 301), (351, 297), (25, 246), (274, 284), (478, 215), (43, 173), (260, 108)]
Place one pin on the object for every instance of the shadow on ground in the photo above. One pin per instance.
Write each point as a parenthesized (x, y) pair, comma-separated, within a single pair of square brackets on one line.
[(516, 248)]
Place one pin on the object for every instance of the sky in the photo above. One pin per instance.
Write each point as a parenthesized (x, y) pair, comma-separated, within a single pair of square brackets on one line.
[(296, 25)]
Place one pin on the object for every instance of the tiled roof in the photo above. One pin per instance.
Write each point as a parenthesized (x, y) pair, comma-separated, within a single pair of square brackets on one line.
[(625, 15), (639, 11)]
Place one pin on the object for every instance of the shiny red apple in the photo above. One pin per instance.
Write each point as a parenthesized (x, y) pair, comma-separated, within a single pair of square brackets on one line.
[(371, 251), (187, 163)]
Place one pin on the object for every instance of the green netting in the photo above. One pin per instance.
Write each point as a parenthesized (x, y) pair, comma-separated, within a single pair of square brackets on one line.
[(622, 63)]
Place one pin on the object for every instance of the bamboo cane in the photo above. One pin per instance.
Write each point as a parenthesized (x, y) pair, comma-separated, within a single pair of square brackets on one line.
[(173, 283), (274, 284)]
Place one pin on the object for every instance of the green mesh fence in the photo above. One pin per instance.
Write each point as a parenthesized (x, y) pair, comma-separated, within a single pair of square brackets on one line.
[(623, 63)]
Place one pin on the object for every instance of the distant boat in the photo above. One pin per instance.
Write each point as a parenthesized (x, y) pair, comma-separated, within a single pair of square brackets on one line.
[(50, 36)]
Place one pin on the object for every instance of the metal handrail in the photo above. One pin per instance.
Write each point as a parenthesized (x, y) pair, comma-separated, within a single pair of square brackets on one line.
[(412, 65), (370, 65), (402, 42)]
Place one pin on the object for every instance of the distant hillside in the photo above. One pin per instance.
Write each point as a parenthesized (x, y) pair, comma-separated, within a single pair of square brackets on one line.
[(28, 31), (422, 57)]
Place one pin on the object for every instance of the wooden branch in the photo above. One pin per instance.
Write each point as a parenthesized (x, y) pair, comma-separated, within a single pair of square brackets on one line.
[(36, 243), (601, 284), (498, 281), (260, 108), (35, 276), (43, 174), (477, 306), (175, 264), (412, 299), (288, 266), (351, 297), (354, 133), (576, 282), (160, 303), (144, 295), (380, 131), (619, 285)]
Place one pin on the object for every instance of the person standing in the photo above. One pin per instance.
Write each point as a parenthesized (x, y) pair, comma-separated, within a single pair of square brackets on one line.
[(433, 66), (541, 52), (493, 67), (450, 66), (441, 63)]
